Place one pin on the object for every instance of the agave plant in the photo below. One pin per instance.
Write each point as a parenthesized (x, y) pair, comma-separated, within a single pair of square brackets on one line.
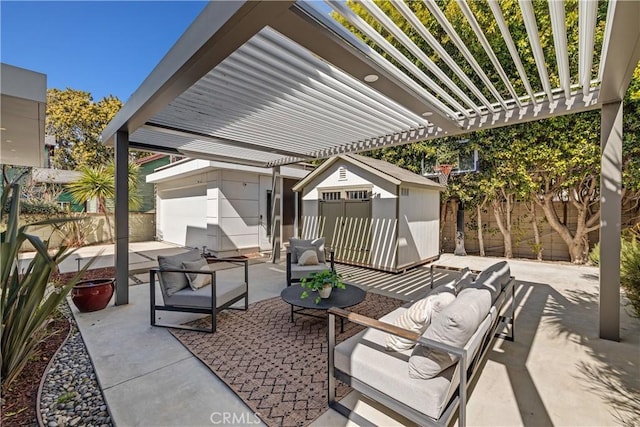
[(27, 299)]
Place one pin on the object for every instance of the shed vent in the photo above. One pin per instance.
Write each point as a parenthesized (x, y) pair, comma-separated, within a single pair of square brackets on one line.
[(342, 173), (404, 192)]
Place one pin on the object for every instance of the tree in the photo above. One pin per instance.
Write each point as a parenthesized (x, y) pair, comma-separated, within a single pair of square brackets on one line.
[(77, 121), (537, 163), (98, 183)]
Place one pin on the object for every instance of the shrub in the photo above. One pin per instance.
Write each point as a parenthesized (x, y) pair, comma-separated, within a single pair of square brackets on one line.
[(594, 255), (630, 270), (27, 300)]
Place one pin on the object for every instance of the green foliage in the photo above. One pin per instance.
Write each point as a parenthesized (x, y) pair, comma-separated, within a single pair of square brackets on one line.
[(98, 183), (77, 121), (27, 300), (630, 269), (317, 281), (594, 255)]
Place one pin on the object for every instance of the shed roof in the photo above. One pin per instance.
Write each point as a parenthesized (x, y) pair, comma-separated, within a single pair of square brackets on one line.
[(385, 170)]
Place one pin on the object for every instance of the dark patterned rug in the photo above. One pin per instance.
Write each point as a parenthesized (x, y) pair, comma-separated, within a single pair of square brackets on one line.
[(278, 368)]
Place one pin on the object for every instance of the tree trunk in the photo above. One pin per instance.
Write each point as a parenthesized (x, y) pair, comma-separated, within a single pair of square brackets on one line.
[(480, 236), (536, 232), (498, 212), (103, 208), (577, 244)]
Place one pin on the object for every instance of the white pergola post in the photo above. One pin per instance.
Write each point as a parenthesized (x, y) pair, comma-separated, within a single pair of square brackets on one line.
[(121, 255), (610, 219)]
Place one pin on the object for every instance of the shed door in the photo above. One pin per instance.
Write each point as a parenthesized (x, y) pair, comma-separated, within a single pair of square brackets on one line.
[(183, 216), (348, 229)]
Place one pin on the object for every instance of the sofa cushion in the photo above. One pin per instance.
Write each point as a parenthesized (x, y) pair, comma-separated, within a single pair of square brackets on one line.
[(308, 257), (225, 292), (171, 283), (317, 244), (363, 357), (418, 316), (493, 278), (197, 281), (454, 326)]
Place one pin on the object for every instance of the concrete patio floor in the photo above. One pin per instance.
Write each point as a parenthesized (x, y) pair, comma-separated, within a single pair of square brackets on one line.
[(557, 372)]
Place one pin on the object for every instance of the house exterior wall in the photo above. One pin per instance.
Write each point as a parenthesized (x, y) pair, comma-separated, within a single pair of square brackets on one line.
[(239, 204), (418, 225), (146, 191)]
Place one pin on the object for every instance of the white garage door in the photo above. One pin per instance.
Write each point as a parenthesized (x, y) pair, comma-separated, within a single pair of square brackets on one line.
[(183, 216)]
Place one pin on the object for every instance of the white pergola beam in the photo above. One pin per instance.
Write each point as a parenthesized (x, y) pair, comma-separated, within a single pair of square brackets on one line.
[(559, 28), (620, 49), (506, 35), (408, 44), (392, 51), (475, 26), (587, 13), (417, 25), (534, 40), (219, 30), (335, 44), (455, 38)]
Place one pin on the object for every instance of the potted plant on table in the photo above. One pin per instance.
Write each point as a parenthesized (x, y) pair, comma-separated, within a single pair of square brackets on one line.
[(322, 283)]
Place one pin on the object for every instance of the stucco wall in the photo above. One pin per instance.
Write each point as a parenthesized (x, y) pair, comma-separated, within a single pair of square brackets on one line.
[(94, 229)]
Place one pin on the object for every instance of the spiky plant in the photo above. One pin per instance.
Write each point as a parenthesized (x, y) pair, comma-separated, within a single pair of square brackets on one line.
[(27, 299)]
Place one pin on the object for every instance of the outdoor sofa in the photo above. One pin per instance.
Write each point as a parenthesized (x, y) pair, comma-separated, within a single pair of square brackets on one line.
[(189, 285), (428, 379)]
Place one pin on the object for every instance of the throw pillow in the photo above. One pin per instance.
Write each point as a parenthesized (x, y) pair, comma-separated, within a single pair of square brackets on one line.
[(419, 315), (308, 257), (317, 244), (197, 281), (173, 282), (454, 326)]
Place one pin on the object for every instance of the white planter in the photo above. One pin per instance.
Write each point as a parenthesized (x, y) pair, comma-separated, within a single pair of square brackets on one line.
[(325, 292)]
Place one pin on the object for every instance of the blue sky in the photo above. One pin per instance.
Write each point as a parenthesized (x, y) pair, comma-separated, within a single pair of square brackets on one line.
[(99, 47)]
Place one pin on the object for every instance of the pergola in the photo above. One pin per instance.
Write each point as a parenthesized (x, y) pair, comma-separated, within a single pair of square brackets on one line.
[(272, 83)]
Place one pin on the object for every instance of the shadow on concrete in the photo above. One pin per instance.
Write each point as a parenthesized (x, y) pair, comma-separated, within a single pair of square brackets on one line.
[(530, 300), (614, 375)]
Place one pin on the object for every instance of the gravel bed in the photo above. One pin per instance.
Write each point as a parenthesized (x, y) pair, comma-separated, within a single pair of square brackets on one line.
[(71, 395)]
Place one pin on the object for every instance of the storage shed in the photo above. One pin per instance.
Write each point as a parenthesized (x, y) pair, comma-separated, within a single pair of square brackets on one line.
[(372, 213)]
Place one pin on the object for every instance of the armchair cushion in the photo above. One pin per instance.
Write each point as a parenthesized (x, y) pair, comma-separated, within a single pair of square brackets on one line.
[(317, 244), (197, 281), (170, 282), (308, 257), (225, 292)]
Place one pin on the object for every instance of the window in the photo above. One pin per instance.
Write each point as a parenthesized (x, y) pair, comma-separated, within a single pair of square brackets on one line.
[(358, 195), (269, 207), (330, 195)]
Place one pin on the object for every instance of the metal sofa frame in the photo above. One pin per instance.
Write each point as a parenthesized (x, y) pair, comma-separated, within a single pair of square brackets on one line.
[(468, 368)]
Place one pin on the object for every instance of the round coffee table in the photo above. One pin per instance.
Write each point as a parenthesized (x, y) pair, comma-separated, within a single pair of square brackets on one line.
[(340, 298)]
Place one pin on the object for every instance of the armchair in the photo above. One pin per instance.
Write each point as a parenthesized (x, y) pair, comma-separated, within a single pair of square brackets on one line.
[(295, 271), (185, 290)]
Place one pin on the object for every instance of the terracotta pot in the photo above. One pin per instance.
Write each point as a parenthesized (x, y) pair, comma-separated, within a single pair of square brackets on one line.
[(325, 292), (92, 295)]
